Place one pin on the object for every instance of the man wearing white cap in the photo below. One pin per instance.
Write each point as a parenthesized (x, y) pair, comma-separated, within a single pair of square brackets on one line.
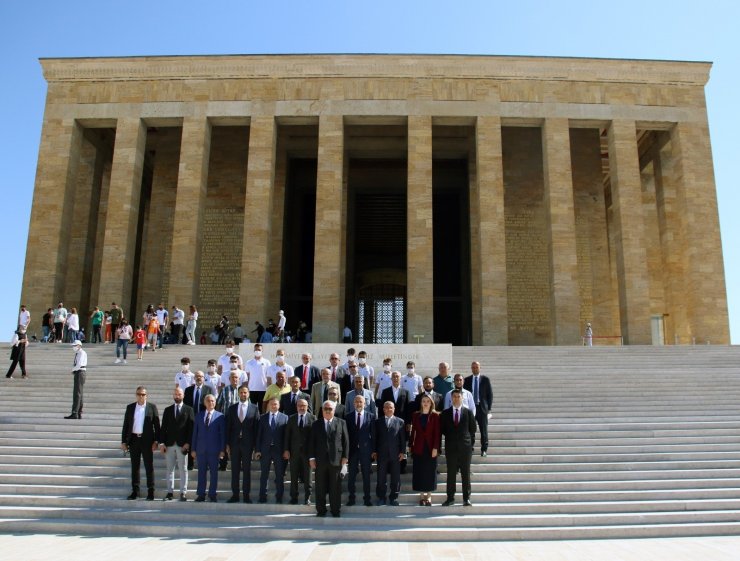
[(79, 367)]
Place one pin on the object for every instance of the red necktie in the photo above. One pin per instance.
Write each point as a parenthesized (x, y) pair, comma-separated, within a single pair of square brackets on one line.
[(305, 376), (333, 373)]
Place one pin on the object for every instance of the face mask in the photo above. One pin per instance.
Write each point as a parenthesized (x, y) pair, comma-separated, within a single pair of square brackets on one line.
[(234, 365), (229, 350), (363, 361), (257, 354), (280, 359), (185, 367), (410, 371), (211, 369), (350, 358), (386, 368)]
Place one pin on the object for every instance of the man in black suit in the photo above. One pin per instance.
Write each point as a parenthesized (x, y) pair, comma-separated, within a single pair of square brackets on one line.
[(194, 397), (480, 386), (436, 398), (458, 429), (390, 450), (176, 433), (361, 427), (307, 373), (289, 401), (270, 448), (328, 451), (297, 433), (398, 396), (241, 435), (208, 446), (140, 437)]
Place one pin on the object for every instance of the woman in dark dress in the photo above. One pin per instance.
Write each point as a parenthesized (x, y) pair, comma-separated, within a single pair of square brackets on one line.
[(424, 443)]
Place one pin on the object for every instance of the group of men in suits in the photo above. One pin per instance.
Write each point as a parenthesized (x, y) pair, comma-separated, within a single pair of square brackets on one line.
[(345, 441)]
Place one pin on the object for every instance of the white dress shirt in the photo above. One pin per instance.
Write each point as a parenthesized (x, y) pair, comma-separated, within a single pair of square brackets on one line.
[(467, 400), (139, 412)]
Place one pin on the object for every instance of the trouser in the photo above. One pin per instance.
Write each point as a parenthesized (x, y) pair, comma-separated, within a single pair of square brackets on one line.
[(58, 331), (45, 330), (392, 467), (160, 336), (175, 457), (77, 391), (241, 463), (482, 420), (459, 461), (362, 463), (207, 463), (257, 397), (19, 360), (190, 331), (96, 336), (327, 481), (139, 448), (176, 327), (121, 344), (300, 469), (274, 457)]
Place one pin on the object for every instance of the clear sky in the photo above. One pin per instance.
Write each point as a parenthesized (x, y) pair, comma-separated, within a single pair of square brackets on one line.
[(676, 30)]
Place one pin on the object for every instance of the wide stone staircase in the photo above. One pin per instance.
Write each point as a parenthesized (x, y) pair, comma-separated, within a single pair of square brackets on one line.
[(585, 443)]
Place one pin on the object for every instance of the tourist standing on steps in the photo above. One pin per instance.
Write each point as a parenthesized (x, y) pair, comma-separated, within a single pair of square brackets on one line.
[(116, 315), (124, 334), (280, 333), (97, 318), (178, 319), (140, 437), (18, 352), (79, 369), (47, 326), (24, 317), (192, 325), (60, 318), (588, 336)]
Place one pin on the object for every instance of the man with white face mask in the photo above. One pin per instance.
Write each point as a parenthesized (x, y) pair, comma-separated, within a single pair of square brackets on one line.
[(412, 381), (383, 379), (184, 378), (213, 380), (223, 360), (258, 379), (367, 371), (233, 369), (280, 366)]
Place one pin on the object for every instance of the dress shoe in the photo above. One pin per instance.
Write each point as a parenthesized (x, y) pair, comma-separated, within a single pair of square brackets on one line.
[(307, 502), (449, 502), (335, 514), (72, 416), (262, 500), (183, 498), (422, 502), (393, 503), (351, 502), (381, 502), (247, 500), (467, 502), (293, 501), (321, 514), (213, 499), (484, 454), (79, 414), (200, 499), (133, 496), (233, 499), (278, 500), (150, 495), (168, 497), (368, 503)]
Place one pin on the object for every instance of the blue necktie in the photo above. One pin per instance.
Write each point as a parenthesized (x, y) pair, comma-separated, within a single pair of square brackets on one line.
[(475, 390), (196, 399)]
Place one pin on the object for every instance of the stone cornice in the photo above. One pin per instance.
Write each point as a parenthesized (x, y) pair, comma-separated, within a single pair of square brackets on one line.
[(219, 67)]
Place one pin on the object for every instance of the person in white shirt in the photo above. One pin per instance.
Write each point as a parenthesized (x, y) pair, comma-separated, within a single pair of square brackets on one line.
[(212, 377), (192, 325), (280, 332), (73, 325), (124, 334), (365, 369), (184, 378), (467, 397), (224, 360), (60, 318), (178, 318), (346, 334), (280, 366), (257, 376), (163, 318), (24, 317), (79, 368), (383, 379), (243, 377), (412, 381)]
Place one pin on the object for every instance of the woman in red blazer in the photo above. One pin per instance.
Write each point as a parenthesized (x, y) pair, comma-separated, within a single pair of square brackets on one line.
[(424, 443)]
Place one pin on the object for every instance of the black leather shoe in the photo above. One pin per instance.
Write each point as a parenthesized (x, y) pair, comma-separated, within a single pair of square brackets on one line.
[(321, 514), (368, 503), (393, 503), (262, 500), (278, 500), (200, 499), (467, 502), (381, 502), (213, 499), (72, 416), (335, 514), (150, 495), (449, 502), (183, 498), (168, 497), (307, 502), (247, 500), (351, 502), (133, 496), (233, 499), (293, 502)]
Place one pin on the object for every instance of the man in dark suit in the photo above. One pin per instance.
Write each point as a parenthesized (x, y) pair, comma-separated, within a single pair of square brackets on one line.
[(480, 386), (436, 398), (297, 433), (208, 446), (270, 448), (140, 437), (307, 373), (241, 435), (390, 449), (458, 429), (175, 436), (289, 401), (194, 397), (328, 450), (361, 428), (398, 396)]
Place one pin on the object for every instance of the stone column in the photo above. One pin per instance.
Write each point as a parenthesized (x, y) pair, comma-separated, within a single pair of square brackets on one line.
[(420, 232), (328, 271), (489, 247), (190, 201), (255, 275), (704, 288), (631, 257), (276, 236), (51, 224), (119, 244), (565, 302)]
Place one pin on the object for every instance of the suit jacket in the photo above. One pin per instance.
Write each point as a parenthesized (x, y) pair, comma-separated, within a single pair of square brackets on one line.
[(242, 434), (402, 403), (429, 436), (485, 392), (226, 399), (209, 439), (177, 430), (314, 375), (390, 440), (286, 402), (361, 439), (344, 380), (438, 400), (369, 402), (296, 438), (317, 399), (340, 410), (151, 424), (268, 437), (190, 394), (331, 448), (458, 439)]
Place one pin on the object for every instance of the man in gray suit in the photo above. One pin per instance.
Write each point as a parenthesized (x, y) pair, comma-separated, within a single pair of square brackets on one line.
[(328, 452), (297, 433)]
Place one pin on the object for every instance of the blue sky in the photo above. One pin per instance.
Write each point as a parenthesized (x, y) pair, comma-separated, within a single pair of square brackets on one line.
[(706, 31)]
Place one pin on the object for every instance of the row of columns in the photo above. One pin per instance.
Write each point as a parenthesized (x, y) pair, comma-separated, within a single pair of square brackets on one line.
[(60, 148)]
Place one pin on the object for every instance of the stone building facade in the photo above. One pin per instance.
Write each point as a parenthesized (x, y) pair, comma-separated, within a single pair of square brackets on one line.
[(468, 199)]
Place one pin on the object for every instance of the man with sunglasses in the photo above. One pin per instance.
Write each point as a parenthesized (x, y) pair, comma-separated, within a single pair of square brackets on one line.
[(140, 438)]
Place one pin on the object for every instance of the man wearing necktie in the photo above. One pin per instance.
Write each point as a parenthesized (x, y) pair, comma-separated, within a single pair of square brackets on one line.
[(480, 387), (241, 434), (140, 437), (175, 436), (289, 401), (270, 448), (194, 397), (458, 429), (361, 428), (320, 390), (297, 432), (208, 446), (328, 453), (390, 450)]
